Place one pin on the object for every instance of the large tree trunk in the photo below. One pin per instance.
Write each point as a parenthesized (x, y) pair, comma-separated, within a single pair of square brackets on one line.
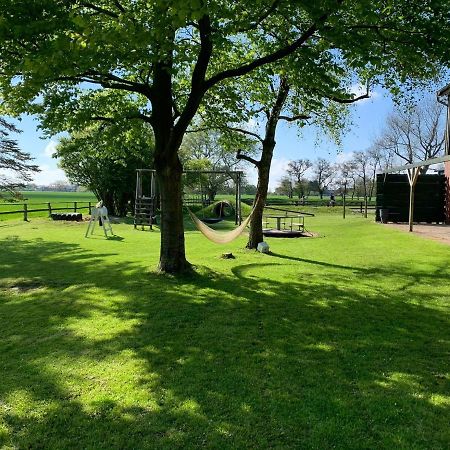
[(172, 257), (256, 231), (256, 234)]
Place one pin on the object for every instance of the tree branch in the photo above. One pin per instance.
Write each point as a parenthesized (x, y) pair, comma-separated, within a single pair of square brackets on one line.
[(261, 18), (109, 81), (198, 87), (243, 131), (350, 100), (272, 57), (227, 127), (119, 6), (137, 115), (98, 9), (239, 155), (295, 118)]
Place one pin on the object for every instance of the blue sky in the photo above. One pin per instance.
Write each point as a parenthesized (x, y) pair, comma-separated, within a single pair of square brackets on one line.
[(368, 119)]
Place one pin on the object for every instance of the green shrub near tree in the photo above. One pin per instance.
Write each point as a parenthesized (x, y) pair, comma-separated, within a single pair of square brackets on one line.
[(105, 158)]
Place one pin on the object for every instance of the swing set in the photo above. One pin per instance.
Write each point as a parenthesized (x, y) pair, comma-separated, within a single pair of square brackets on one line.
[(146, 202)]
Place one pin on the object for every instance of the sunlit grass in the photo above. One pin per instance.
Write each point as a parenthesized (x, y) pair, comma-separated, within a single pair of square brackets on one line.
[(39, 200), (338, 341)]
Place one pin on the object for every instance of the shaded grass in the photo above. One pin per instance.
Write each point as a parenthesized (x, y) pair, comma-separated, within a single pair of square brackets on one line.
[(341, 341)]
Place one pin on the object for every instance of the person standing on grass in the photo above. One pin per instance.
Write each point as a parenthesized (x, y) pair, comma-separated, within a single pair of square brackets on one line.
[(332, 200)]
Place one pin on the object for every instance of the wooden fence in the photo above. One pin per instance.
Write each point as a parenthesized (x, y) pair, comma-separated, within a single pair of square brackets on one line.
[(50, 207)]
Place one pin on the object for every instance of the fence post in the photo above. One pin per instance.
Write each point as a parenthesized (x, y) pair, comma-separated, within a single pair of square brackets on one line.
[(360, 207), (49, 209), (90, 208), (74, 206), (25, 212)]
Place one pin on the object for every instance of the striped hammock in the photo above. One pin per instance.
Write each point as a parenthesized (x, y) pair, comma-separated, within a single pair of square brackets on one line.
[(217, 236)]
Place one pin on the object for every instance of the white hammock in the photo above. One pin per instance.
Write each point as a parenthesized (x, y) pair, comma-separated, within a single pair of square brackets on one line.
[(217, 236)]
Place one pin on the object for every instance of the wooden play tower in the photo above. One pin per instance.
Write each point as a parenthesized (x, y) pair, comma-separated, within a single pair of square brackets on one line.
[(145, 199)]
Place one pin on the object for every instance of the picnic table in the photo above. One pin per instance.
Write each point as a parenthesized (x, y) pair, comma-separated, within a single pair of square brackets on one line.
[(282, 219)]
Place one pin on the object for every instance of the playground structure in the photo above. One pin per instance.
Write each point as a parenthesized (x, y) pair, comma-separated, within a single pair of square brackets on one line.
[(147, 197), (286, 223)]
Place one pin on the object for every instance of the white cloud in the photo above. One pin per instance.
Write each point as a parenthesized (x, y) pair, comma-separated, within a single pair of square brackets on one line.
[(278, 170), (49, 175), (251, 173), (343, 157), (49, 149)]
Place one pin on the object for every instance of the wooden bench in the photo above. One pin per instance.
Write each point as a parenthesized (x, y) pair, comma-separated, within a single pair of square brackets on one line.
[(300, 224)]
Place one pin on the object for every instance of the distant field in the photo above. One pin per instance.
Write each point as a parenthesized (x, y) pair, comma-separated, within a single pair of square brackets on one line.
[(39, 200), (51, 196)]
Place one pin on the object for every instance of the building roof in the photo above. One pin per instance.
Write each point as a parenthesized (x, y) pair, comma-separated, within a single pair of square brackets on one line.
[(427, 162)]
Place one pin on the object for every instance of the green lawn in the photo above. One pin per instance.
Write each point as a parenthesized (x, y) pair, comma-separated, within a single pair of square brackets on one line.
[(340, 341)]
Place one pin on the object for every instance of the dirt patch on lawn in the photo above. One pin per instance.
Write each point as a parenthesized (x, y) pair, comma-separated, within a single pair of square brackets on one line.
[(436, 232)]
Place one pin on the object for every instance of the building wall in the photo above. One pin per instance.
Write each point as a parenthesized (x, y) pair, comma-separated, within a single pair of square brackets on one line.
[(429, 199)]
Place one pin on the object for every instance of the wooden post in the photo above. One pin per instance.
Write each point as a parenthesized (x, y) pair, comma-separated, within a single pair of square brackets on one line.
[(343, 203), (75, 206), (25, 212), (239, 199), (49, 206), (90, 208), (413, 174), (236, 216), (365, 206), (360, 207)]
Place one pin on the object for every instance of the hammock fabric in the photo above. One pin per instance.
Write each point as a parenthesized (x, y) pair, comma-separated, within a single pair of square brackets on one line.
[(216, 236)]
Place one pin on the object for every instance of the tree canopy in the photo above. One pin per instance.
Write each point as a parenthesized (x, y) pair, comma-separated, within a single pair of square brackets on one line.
[(15, 164), (415, 133), (104, 158)]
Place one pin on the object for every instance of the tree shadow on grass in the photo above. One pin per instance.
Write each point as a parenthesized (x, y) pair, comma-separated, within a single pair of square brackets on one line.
[(102, 355)]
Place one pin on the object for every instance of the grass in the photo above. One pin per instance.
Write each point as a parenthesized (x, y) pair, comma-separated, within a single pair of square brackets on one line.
[(340, 341)]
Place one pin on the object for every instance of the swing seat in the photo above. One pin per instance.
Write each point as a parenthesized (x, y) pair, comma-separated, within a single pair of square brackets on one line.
[(211, 220)]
